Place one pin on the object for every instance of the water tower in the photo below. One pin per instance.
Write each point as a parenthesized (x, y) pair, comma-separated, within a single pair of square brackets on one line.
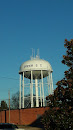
[(35, 70)]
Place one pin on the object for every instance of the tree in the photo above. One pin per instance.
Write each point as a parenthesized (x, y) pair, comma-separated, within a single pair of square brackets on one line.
[(67, 81), (3, 105), (14, 102), (58, 119), (62, 118), (56, 99), (68, 60), (64, 90)]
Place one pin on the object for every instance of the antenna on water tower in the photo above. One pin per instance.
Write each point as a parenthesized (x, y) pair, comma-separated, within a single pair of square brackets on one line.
[(34, 53), (38, 52)]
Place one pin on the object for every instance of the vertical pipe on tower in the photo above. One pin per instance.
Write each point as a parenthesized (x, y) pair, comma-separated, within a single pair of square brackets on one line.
[(51, 83), (23, 91), (42, 87), (31, 87), (48, 82), (20, 94), (36, 89), (40, 95)]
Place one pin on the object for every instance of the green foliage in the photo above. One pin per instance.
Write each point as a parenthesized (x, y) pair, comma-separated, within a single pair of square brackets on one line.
[(62, 118), (67, 81), (68, 60), (58, 119)]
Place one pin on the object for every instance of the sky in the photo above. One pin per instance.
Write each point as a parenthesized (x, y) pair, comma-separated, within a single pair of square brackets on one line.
[(37, 24)]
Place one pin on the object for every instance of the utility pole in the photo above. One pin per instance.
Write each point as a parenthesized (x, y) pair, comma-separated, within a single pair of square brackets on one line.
[(9, 105)]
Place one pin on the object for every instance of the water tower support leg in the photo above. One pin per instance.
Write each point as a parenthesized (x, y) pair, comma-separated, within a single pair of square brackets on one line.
[(31, 89), (20, 94), (40, 95), (36, 89), (48, 83), (23, 91), (51, 84), (42, 87)]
